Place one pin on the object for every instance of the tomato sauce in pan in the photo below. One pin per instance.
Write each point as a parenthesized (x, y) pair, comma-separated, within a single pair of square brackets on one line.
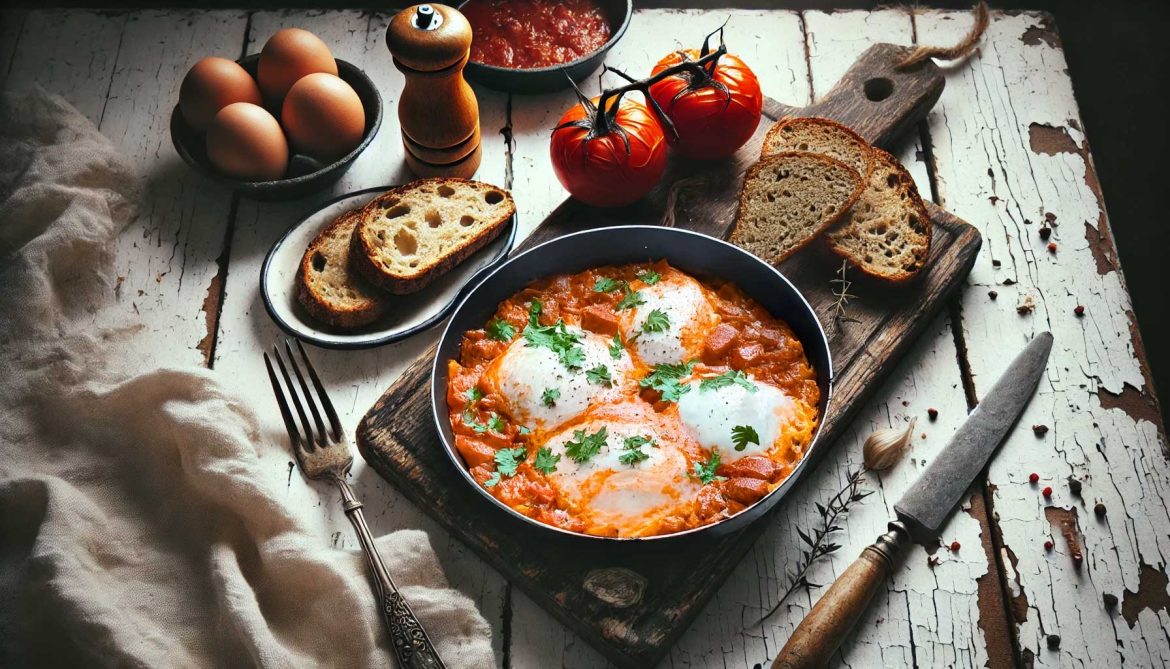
[(673, 481), (524, 34)]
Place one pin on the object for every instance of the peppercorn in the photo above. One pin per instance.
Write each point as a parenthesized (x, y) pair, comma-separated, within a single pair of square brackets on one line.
[(1039, 430), (1079, 310), (1033, 477), (932, 413), (1048, 545), (1053, 641), (1074, 486), (954, 546), (1052, 247), (1045, 232), (995, 263), (1110, 600), (1047, 491), (992, 294), (1099, 509)]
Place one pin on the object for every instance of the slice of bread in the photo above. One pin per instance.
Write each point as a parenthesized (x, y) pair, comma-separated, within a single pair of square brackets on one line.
[(886, 233), (413, 234), (819, 135), (326, 286), (790, 198)]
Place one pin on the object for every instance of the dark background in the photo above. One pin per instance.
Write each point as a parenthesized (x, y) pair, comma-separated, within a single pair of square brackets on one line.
[(1118, 59)]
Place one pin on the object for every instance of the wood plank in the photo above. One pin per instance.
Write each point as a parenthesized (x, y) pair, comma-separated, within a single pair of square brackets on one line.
[(11, 25), (398, 439), (123, 71), (1011, 157), (354, 378)]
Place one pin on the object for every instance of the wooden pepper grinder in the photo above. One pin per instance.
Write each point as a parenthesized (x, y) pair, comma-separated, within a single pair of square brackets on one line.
[(438, 112)]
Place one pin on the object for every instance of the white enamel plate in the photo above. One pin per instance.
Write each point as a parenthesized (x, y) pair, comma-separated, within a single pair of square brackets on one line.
[(406, 315)]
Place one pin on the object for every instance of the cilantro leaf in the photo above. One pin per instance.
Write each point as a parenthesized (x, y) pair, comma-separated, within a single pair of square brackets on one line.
[(558, 339), (650, 277), (606, 285), (535, 309), (631, 299), (726, 379), (473, 394), (705, 471), (615, 347), (550, 396), (507, 460), (470, 421), (666, 379), (742, 435), (584, 446), (500, 330), (599, 375), (523, 429), (495, 423), (546, 460), (656, 321), (633, 453)]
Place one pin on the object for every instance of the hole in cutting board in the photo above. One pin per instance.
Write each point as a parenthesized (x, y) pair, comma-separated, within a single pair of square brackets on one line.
[(878, 89)]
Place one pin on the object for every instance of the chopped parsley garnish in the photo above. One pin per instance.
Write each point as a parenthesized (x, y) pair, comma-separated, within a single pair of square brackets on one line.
[(584, 446), (606, 285), (599, 375), (650, 277), (473, 394), (726, 379), (495, 423), (656, 321), (550, 396), (557, 339), (633, 453), (631, 299), (507, 460), (705, 471), (500, 330), (615, 347), (666, 379), (742, 435), (546, 461), (535, 308), (523, 429)]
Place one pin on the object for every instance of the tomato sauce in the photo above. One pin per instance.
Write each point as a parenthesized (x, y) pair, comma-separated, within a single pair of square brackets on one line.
[(747, 338), (525, 34)]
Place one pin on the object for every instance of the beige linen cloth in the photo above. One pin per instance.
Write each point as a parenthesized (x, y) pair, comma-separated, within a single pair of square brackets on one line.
[(132, 532)]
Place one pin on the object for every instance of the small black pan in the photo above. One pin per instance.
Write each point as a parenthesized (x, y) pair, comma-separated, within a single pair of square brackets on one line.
[(697, 254)]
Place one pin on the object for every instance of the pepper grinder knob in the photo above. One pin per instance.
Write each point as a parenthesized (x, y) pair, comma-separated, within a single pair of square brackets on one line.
[(437, 111)]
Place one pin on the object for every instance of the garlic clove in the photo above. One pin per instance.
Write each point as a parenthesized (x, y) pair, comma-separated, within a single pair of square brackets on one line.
[(885, 447)]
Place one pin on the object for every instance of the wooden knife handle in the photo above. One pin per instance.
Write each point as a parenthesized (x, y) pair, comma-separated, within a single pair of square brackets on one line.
[(824, 628)]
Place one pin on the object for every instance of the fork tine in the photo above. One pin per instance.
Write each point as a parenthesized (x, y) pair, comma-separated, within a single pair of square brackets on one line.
[(322, 437), (296, 400), (294, 434), (334, 421)]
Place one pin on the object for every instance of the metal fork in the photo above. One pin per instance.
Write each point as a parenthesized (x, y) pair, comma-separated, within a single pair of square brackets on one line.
[(323, 454)]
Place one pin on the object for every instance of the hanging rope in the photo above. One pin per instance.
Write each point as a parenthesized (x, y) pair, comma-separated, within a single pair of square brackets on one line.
[(963, 48)]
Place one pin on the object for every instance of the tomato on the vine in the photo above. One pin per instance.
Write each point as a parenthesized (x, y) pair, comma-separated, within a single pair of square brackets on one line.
[(715, 107), (608, 158)]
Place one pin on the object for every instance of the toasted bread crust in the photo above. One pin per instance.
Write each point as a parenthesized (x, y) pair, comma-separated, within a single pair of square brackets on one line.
[(356, 314), (772, 138), (828, 222), (366, 246)]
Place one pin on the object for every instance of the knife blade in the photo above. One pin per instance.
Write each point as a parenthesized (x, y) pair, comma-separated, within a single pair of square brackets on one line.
[(922, 511)]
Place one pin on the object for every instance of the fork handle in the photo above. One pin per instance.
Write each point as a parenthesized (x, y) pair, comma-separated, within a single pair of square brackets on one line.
[(412, 646)]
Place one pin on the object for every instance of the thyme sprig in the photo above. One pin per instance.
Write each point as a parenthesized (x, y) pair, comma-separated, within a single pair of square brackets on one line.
[(842, 296), (816, 542)]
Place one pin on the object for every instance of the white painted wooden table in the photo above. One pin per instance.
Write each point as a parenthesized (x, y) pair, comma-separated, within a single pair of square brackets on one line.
[(1003, 149)]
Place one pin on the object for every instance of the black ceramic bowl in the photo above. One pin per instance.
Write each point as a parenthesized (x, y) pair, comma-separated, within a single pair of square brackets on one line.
[(549, 79), (691, 252), (305, 175)]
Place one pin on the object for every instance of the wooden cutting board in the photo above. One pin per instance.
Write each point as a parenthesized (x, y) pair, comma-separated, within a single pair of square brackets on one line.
[(633, 600)]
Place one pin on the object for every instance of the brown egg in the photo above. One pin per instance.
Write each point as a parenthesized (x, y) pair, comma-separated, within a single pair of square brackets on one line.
[(323, 117), (287, 56), (212, 84), (245, 142)]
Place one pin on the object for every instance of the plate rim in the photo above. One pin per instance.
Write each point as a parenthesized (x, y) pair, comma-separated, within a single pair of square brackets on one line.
[(384, 340)]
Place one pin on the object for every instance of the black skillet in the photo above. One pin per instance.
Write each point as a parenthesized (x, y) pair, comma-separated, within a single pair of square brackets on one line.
[(692, 252)]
